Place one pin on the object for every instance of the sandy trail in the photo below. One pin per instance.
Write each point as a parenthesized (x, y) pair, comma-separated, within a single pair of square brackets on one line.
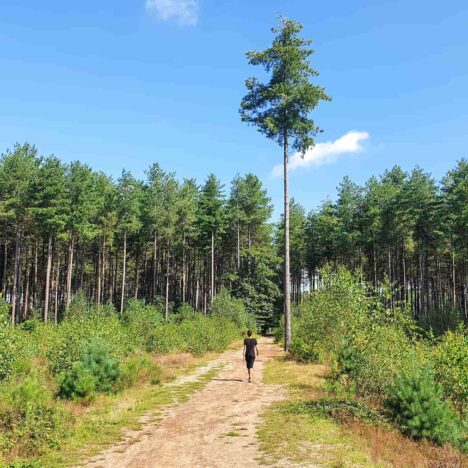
[(216, 427)]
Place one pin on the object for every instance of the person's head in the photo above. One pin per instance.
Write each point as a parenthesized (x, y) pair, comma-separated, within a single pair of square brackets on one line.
[(249, 333)]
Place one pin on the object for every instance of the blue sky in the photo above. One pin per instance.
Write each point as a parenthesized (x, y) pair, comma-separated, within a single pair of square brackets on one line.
[(125, 83)]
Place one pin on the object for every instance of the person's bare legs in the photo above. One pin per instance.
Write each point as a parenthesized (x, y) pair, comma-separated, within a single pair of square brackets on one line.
[(249, 370)]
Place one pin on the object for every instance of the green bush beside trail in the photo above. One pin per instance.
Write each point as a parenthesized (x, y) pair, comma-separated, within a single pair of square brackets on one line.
[(94, 350), (376, 349)]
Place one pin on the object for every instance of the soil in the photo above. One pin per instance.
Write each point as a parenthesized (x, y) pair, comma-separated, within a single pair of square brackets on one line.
[(215, 427)]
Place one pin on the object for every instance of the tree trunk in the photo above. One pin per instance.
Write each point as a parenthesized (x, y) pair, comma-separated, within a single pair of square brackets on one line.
[(5, 269), (71, 243), (14, 292), (124, 266), (212, 292), (155, 251), (47, 278), (99, 274), (454, 284), (27, 281), (167, 283), (287, 282), (57, 286), (137, 274), (238, 244), (184, 267)]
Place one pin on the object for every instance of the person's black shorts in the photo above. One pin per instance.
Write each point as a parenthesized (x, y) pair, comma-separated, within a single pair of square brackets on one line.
[(250, 361)]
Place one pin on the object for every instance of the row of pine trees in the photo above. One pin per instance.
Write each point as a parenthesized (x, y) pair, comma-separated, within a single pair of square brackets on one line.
[(67, 228), (402, 227)]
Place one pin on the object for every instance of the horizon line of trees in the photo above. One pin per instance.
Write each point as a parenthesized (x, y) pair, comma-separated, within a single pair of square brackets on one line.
[(66, 228), (402, 227)]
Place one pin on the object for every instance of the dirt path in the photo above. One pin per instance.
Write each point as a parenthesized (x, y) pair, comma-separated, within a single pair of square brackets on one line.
[(215, 428)]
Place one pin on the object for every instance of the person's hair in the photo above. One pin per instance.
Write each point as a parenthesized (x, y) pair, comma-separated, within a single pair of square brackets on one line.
[(249, 332)]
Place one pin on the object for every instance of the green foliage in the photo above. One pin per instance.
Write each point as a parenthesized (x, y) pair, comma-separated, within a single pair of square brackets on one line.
[(77, 383), (7, 342), (141, 369), (97, 371), (283, 103), (29, 420), (224, 305), (140, 320), (451, 365), (303, 351), (342, 411), (416, 403)]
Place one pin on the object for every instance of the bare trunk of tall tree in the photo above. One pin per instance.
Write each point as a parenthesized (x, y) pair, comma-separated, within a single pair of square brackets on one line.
[(35, 278), (124, 267), (238, 244), (47, 279), (5, 268), (14, 293), (99, 274), (57, 286), (137, 274), (212, 292), (27, 282), (454, 283), (155, 251), (184, 267), (287, 281), (167, 283), (71, 243)]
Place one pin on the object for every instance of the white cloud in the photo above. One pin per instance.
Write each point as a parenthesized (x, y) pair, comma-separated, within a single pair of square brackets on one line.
[(185, 12), (325, 153)]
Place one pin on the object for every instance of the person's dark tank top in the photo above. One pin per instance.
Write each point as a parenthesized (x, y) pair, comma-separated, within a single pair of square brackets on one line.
[(250, 344)]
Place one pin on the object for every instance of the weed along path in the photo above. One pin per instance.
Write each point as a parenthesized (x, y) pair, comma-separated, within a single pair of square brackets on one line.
[(215, 427)]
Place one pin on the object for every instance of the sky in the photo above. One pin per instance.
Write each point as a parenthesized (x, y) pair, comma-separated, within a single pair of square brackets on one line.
[(126, 83)]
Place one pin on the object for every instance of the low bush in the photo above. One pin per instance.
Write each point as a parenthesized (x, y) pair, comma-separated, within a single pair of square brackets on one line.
[(30, 421), (451, 363), (224, 305), (415, 402), (97, 371), (303, 351), (141, 369), (77, 383), (343, 410)]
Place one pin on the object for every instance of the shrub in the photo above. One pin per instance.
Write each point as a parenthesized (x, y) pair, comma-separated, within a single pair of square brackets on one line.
[(78, 383), (224, 305), (304, 352), (98, 371), (416, 404), (451, 364), (141, 369), (7, 350), (29, 419)]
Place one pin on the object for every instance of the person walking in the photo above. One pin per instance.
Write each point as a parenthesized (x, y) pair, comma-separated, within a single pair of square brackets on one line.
[(250, 352)]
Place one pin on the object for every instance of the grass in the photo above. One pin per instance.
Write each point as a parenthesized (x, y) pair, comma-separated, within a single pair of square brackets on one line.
[(112, 416), (313, 427)]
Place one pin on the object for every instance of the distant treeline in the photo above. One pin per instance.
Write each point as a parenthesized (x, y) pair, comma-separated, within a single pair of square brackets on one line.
[(404, 227), (65, 228)]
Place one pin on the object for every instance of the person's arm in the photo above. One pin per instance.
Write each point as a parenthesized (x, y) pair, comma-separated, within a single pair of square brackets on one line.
[(256, 348), (243, 352)]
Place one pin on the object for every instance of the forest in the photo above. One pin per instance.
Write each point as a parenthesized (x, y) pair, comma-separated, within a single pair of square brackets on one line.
[(68, 229)]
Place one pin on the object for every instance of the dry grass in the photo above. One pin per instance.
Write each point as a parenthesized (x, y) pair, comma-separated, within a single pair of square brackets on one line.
[(396, 450), (316, 439), (175, 365)]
